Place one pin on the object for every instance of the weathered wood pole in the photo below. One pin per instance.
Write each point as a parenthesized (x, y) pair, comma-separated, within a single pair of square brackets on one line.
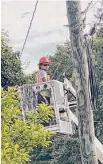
[(81, 75)]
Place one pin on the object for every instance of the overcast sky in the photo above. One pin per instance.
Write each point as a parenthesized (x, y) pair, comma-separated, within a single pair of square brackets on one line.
[(47, 28)]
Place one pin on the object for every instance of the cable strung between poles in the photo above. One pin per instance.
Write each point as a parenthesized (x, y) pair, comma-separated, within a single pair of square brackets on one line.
[(29, 27)]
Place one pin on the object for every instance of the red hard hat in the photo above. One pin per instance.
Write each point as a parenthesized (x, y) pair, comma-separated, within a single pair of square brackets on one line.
[(44, 60)]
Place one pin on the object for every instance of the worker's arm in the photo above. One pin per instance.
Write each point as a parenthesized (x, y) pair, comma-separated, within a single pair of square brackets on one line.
[(48, 77), (44, 79)]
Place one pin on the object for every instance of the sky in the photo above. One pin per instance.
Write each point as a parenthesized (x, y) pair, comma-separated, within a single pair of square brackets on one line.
[(47, 30)]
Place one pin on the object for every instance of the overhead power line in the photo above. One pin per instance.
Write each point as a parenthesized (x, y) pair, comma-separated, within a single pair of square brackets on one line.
[(29, 27)]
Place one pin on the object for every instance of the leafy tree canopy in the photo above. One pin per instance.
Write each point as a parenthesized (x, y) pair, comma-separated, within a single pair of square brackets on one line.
[(11, 67), (19, 136)]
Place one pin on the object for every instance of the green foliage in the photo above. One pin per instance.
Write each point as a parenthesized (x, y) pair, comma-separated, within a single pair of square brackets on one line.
[(11, 68), (63, 150), (98, 68), (30, 78), (61, 62), (19, 136)]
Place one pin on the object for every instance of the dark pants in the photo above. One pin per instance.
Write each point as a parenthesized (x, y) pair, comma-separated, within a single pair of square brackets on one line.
[(41, 99)]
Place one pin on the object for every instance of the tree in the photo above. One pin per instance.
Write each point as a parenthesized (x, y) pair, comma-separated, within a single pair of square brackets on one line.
[(81, 72), (61, 62), (19, 136), (30, 78), (98, 68), (63, 149), (11, 67)]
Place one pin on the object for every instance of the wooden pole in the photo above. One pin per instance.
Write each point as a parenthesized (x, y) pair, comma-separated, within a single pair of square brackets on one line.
[(81, 75)]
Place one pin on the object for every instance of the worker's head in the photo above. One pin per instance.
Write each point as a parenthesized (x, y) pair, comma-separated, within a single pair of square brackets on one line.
[(44, 63)]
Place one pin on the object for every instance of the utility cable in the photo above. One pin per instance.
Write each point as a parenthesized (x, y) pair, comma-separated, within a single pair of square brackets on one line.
[(29, 27)]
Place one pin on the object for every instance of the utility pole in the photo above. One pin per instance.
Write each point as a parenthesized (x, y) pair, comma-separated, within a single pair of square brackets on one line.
[(81, 75)]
